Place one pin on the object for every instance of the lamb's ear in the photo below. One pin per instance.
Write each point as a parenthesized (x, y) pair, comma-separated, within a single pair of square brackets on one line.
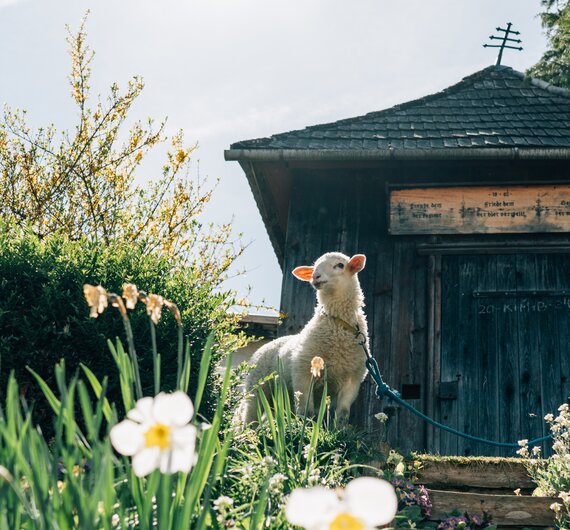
[(356, 263), (303, 273)]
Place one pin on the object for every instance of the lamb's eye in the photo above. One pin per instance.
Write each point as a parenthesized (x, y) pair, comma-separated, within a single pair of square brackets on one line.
[(339, 265)]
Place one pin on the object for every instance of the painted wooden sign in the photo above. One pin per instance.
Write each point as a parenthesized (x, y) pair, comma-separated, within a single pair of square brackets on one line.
[(480, 209)]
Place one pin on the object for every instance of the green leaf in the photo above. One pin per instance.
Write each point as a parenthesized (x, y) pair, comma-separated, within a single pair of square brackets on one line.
[(98, 390), (203, 373), (53, 401)]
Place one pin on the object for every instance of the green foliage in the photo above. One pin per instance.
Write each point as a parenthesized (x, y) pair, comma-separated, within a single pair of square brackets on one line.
[(554, 65), (44, 317), (78, 482), (285, 452)]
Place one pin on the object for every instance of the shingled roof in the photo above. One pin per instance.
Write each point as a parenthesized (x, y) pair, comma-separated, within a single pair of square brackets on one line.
[(497, 107), (495, 114)]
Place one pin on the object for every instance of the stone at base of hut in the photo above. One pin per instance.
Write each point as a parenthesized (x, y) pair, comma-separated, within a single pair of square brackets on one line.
[(504, 510)]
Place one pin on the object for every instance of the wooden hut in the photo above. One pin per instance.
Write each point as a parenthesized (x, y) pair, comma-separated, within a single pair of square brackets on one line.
[(461, 202)]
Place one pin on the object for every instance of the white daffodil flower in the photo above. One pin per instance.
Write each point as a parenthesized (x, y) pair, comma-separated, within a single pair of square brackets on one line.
[(367, 503), (157, 434)]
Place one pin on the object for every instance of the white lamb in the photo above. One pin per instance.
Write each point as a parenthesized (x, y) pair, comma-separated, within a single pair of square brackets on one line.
[(329, 334)]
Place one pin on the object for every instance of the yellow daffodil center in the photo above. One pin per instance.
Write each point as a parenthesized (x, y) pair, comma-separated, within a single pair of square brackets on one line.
[(345, 521), (157, 435)]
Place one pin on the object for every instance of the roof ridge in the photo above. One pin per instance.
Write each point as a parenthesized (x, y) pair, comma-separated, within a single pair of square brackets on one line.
[(469, 79), (406, 104), (544, 85)]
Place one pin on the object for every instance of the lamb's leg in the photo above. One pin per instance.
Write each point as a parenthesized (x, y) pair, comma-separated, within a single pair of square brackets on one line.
[(249, 409), (345, 399)]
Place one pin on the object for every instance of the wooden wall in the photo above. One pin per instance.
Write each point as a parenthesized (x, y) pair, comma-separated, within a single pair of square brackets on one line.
[(331, 212), (345, 209)]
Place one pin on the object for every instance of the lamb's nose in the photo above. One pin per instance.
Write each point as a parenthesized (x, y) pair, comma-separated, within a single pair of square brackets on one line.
[(316, 276)]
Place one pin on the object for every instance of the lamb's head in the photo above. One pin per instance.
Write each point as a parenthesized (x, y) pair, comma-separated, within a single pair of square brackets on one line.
[(333, 275)]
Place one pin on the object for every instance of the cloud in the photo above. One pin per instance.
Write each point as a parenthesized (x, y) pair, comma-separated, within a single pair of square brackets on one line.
[(8, 3), (251, 120)]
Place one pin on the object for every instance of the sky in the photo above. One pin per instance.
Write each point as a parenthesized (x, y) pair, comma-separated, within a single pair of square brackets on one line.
[(231, 70)]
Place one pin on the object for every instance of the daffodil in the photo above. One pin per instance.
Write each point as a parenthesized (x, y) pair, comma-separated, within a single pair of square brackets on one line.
[(173, 308), (367, 503), (317, 365), (154, 303), (96, 297), (158, 435), (130, 294)]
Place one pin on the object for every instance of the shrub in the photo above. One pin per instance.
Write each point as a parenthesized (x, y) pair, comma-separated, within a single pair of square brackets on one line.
[(552, 475), (284, 452), (44, 317)]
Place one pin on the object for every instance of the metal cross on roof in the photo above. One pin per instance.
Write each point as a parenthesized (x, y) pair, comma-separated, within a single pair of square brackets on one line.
[(504, 44)]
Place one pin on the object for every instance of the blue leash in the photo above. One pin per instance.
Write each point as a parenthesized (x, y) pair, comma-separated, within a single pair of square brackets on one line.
[(383, 390)]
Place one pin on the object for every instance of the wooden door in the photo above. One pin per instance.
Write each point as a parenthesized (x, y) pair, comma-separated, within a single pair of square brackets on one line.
[(505, 348)]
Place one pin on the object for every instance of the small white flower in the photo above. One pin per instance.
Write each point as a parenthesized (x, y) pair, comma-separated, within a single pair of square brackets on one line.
[(276, 482), (367, 503), (549, 418), (556, 506), (158, 434), (247, 472), (400, 469), (314, 477), (394, 457), (297, 397), (223, 503), (269, 461), (382, 417)]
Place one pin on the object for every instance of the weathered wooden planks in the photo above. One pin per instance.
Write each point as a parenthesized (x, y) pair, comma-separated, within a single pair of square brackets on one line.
[(504, 510), (507, 474), (504, 337)]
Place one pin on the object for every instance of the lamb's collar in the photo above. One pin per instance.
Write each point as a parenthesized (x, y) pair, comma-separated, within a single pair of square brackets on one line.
[(342, 323)]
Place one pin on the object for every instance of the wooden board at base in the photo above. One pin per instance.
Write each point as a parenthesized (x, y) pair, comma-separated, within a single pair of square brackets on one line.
[(480, 210)]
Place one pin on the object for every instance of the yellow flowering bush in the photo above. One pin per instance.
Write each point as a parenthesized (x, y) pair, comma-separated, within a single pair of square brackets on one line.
[(82, 183)]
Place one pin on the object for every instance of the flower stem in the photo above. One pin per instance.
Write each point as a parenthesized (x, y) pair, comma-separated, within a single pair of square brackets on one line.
[(180, 357), (309, 396), (155, 358), (133, 356)]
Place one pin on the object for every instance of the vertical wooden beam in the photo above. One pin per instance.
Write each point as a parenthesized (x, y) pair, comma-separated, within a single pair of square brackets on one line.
[(433, 348)]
